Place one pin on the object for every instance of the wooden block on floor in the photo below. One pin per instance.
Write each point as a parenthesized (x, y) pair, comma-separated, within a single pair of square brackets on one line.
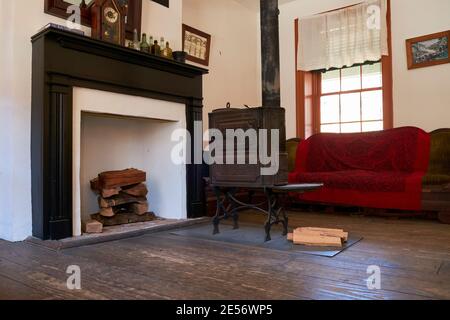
[(315, 239), (92, 226), (322, 229), (290, 237), (326, 232)]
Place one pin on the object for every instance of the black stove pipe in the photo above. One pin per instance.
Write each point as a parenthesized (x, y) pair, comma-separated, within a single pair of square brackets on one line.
[(270, 53)]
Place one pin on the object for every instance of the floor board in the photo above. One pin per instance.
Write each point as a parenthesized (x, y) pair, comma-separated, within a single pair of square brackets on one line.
[(414, 257)]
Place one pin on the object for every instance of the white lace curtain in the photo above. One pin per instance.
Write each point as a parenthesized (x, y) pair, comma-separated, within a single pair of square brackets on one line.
[(343, 37)]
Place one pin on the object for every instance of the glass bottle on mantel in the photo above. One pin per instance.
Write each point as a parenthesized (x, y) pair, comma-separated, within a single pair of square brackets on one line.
[(150, 44), (167, 52), (156, 49), (144, 44), (136, 44)]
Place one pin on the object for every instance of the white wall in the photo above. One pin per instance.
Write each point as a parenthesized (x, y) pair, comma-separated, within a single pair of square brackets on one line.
[(234, 69), (160, 21), (20, 19), (6, 73), (421, 97)]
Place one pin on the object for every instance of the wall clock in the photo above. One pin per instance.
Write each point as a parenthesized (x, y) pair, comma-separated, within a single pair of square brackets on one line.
[(59, 8), (108, 21)]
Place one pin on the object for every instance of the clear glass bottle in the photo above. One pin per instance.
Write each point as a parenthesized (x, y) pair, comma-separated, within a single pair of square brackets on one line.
[(150, 43), (167, 52), (144, 44), (136, 44)]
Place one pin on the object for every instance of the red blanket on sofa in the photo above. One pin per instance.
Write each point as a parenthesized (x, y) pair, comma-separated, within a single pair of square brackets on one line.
[(376, 170)]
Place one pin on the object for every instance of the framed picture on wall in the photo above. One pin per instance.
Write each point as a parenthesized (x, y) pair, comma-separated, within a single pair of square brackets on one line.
[(163, 2), (197, 45), (428, 50)]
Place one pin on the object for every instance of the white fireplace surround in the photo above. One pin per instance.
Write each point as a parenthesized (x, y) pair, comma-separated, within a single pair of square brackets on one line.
[(106, 123)]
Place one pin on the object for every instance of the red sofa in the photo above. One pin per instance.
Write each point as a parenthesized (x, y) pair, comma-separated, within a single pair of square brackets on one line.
[(374, 170)]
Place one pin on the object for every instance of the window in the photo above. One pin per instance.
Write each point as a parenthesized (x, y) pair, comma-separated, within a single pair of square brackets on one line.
[(373, 83), (351, 99)]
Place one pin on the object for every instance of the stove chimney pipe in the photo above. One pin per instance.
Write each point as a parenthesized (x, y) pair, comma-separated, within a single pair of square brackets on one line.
[(270, 53)]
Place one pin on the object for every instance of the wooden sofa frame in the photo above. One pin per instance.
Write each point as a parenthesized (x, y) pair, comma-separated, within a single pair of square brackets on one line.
[(434, 198)]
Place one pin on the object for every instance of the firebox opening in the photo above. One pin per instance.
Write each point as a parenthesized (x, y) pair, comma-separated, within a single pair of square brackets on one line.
[(119, 137)]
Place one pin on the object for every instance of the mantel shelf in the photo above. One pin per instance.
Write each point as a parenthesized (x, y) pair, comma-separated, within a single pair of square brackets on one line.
[(78, 42)]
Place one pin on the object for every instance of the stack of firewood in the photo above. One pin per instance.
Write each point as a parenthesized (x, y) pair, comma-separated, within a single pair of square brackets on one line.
[(122, 197), (319, 237)]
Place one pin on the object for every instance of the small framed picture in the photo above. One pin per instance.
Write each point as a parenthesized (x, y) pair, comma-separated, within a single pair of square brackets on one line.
[(196, 44), (164, 3), (428, 50)]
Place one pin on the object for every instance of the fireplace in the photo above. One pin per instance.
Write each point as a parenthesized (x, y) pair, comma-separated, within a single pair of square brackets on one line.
[(109, 136), (63, 62)]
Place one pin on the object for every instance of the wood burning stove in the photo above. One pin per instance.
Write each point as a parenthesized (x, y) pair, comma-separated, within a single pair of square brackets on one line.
[(249, 175), (226, 178), (269, 116)]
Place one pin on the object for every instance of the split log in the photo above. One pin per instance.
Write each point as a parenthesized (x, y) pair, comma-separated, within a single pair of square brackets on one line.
[(92, 226), (139, 190), (115, 179), (107, 212), (290, 237), (95, 184), (310, 239), (139, 208), (105, 193), (119, 200), (108, 193), (123, 218)]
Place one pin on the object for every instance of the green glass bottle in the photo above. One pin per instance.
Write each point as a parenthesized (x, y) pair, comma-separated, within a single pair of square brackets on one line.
[(144, 44)]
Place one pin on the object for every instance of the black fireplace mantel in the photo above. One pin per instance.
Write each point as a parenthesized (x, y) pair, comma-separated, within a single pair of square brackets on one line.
[(63, 60)]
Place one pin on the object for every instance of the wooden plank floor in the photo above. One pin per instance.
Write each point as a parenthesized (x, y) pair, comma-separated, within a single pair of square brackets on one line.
[(414, 257)]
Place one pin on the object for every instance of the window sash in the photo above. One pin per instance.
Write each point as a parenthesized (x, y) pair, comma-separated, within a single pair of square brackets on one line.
[(341, 92)]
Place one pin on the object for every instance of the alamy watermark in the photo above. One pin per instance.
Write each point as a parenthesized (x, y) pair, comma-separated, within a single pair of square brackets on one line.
[(232, 146), (374, 17), (74, 280), (374, 280), (74, 19)]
